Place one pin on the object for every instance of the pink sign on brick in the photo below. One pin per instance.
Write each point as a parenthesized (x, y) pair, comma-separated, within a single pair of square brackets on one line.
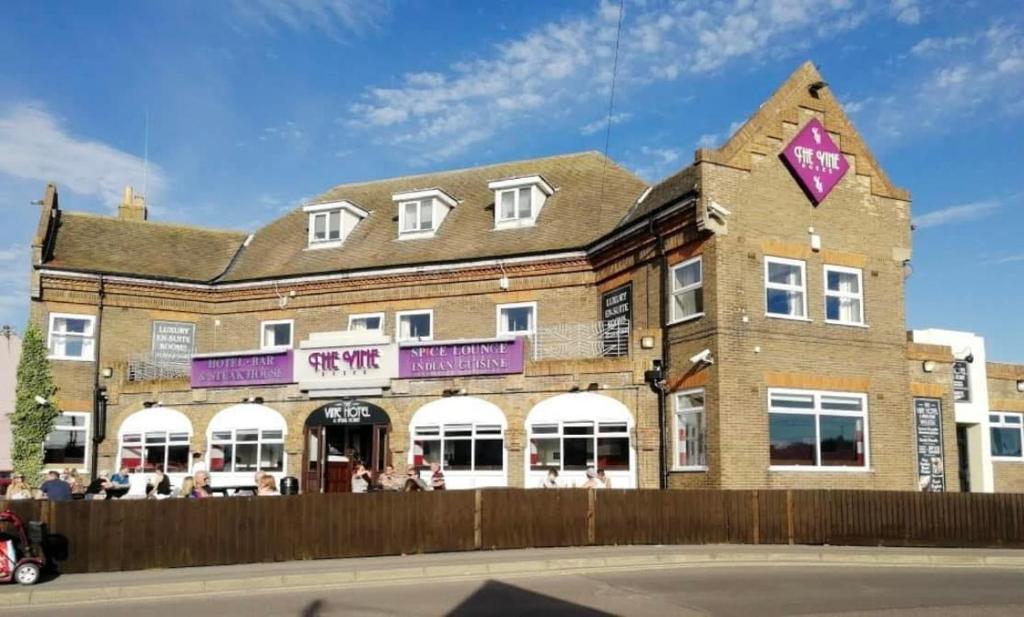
[(815, 160)]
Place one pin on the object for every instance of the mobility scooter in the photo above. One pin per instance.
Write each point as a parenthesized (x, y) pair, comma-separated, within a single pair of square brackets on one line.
[(21, 553)]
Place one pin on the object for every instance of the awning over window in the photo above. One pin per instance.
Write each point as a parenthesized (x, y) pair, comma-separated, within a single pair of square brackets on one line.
[(458, 410), (156, 419), (579, 406), (248, 416)]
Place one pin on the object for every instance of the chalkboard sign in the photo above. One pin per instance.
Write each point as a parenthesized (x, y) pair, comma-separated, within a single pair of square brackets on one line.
[(961, 382), (931, 472), (616, 315), (173, 342)]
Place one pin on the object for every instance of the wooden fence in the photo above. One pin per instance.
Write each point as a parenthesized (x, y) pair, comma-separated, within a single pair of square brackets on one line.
[(98, 536)]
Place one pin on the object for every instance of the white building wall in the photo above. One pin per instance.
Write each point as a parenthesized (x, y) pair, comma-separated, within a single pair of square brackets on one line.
[(10, 353)]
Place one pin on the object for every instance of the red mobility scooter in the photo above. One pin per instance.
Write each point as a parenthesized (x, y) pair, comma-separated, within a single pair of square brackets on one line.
[(21, 553)]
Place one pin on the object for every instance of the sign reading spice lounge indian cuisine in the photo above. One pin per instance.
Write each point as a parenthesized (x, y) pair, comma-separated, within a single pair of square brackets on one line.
[(455, 358), (257, 368), (815, 160), (931, 470)]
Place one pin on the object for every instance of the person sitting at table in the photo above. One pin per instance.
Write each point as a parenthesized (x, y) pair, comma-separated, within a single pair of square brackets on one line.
[(121, 478), (18, 488), (267, 485), (188, 488), (75, 482), (202, 479), (413, 481), (388, 481), (360, 479), (97, 489), (160, 486), (55, 489), (436, 477)]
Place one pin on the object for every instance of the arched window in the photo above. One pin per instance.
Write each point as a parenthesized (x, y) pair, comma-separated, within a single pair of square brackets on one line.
[(571, 432), (466, 436), (245, 439), (155, 438)]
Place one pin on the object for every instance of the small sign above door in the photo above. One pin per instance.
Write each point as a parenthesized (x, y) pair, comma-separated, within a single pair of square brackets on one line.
[(347, 412)]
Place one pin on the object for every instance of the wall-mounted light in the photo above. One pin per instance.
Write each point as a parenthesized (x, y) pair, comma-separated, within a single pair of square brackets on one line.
[(1020, 385), (575, 388), (108, 372), (928, 366), (593, 387), (148, 404), (646, 342), (453, 392), (253, 399)]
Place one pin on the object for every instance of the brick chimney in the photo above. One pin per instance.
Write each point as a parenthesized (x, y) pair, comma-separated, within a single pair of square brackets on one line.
[(133, 207)]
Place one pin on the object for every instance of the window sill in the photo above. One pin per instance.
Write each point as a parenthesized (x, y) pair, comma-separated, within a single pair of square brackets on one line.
[(816, 469), (514, 224), (416, 235), (70, 358), (787, 317), (1007, 459), (693, 317), (324, 245), (690, 469), (276, 348), (850, 324)]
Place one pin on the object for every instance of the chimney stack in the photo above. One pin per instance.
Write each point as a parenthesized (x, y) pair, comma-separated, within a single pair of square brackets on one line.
[(133, 207)]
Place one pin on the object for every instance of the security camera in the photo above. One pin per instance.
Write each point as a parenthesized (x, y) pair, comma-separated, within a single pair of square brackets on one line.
[(703, 357), (41, 401)]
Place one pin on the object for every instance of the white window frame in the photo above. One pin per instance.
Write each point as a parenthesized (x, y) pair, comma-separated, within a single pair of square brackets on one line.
[(678, 412), (260, 441), (474, 436), (277, 322), (515, 205), (419, 231), (502, 331), (829, 293), (802, 288), (89, 335), (673, 318), (85, 429), (997, 420), (325, 214), (380, 316), (398, 324), (326, 209), (166, 445), (560, 435), (816, 413)]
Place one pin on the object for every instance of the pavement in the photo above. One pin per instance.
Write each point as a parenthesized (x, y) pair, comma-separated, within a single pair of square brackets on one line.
[(647, 580)]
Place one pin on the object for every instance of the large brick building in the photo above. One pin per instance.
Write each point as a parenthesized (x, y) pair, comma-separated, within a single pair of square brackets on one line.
[(740, 324)]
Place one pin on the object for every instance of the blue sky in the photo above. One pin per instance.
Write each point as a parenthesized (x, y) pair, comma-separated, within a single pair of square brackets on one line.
[(256, 105)]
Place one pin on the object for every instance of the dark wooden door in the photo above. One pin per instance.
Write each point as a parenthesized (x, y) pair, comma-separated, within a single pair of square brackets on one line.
[(313, 457), (338, 477)]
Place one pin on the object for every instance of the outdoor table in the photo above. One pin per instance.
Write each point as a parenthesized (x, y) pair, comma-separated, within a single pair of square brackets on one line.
[(237, 488), (116, 493)]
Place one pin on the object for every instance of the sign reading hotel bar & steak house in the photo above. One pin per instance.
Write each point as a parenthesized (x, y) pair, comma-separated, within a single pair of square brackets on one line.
[(347, 412), (931, 470), (452, 359), (173, 342), (815, 160), (616, 315), (248, 369), (961, 382)]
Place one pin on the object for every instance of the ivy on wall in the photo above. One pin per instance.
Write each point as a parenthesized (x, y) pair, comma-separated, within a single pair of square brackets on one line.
[(32, 421)]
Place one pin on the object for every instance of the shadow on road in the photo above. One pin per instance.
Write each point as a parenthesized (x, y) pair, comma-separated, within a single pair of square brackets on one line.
[(495, 598)]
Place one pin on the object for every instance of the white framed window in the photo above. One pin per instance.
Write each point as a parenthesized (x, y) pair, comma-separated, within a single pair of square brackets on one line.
[(146, 452), (416, 216), (844, 295), (569, 446), (518, 319), (414, 325), (246, 450), (785, 283), (515, 204), (276, 334), (330, 223), (690, 431), (325, 226), (71, 337), (67, 444), (1007, 433), (687, 290), (810, 429), (518, 201), (459, 447), (366, 321)]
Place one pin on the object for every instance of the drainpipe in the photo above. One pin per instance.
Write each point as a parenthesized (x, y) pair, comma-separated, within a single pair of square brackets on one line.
[(99, 395), (658, 384)]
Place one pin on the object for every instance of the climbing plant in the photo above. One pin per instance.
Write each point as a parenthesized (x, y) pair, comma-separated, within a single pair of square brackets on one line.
[(32, 419)]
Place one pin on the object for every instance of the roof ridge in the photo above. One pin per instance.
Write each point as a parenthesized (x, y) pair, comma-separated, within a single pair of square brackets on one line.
[(460, 170), (103, 217)]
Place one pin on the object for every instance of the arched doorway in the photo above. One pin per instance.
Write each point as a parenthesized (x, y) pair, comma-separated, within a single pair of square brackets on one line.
[(243, 439), (466, 435), (571, 432), (336, 436)]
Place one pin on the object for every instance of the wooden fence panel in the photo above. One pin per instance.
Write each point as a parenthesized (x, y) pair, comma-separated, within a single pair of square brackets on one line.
[(518, 518)]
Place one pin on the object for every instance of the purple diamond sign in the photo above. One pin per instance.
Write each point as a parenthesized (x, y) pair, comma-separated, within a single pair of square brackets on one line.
[(815, 160)]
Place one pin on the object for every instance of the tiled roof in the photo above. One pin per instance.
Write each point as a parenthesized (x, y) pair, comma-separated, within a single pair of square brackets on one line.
[(665, 192), (92, 243), (592, 194)]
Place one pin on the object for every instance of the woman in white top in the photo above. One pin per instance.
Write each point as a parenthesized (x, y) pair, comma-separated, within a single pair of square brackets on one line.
[(551, 480), (360, 479), (17, 489)]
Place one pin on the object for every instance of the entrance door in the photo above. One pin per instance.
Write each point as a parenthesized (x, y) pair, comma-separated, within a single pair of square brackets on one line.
[(962, 455), (313, 459), (338, 435)]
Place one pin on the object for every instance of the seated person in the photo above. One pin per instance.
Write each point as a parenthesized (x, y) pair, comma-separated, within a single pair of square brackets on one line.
[(202, 480), (160, 487), (413, 481), (97, 488), (55, 489), (389, 481)]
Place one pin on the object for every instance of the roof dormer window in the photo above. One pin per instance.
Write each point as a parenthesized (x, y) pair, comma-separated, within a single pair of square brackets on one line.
[(331, 223), (420, 213), (518, 201)]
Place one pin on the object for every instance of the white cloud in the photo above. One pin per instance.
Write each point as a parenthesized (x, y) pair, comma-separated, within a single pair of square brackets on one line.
[(332, 17), (957, 214), (906, 11), (599, 125), (653, 164), (929, 46), (1006, 259), (564, 66), (34, 146)]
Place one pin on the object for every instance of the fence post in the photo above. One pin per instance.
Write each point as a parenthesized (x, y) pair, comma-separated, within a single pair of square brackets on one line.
[(789, 515), (591, 519), (478, 540), (756, 512)]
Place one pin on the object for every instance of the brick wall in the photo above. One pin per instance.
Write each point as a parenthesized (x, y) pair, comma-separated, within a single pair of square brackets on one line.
[(1003, 396)]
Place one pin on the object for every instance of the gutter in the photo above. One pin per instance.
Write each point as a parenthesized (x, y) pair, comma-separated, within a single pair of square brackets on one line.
[(659, 385), (99, 395)]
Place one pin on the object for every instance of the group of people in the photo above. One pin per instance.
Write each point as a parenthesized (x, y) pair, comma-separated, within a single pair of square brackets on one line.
[(58, 486), (596, 479), (363, 481)]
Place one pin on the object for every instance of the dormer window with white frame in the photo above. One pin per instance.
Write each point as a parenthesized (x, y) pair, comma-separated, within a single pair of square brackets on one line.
[(518, 201), (330, 223), (421, 212)]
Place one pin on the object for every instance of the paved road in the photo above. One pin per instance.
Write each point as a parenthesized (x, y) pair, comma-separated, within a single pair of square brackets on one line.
[(743, 591)]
